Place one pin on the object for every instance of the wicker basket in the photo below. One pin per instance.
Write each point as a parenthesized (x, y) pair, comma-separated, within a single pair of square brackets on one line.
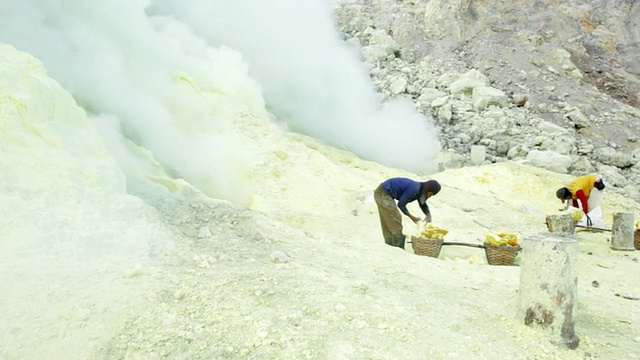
[(636, 239), (500, 255), (427, 247)]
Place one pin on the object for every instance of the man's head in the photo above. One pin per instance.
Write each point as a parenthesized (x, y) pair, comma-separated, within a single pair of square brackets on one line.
[(599, 184), (429, 189), (563, 194)]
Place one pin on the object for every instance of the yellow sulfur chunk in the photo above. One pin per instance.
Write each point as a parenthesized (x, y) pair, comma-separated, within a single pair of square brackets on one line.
[(431, 231), (576, 215), (496, 240), (501, 238)]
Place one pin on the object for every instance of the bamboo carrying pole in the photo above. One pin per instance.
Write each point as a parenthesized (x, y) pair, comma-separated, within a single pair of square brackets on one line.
[(479, 246), (591, 228), (622, 231)]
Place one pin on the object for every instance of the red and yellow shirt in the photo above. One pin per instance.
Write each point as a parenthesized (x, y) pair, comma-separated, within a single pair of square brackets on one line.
[(580, 189)]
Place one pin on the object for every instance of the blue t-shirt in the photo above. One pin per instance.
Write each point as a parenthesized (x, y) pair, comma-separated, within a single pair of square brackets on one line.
[(405, 191)]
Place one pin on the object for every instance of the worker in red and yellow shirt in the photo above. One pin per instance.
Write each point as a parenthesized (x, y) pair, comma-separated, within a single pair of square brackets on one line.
[(580, 189)]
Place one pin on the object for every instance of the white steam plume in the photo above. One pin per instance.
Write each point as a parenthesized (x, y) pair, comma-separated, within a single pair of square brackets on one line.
[(311, 78), (167, 90)]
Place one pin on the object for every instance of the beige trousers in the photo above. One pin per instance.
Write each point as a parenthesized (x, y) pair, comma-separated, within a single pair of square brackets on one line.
[(390, 217)]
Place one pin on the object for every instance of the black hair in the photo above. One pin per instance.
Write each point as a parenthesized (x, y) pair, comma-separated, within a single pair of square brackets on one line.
[(431, 186), (599, 184), (563, 193)]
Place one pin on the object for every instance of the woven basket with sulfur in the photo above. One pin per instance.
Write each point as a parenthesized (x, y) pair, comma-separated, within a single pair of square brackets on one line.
[(636, 239), (501, 248), (427, 247), (430, 240), (501, 255)]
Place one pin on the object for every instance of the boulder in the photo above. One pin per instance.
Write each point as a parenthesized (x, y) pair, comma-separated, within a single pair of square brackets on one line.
[(398, 85), (468, 81), (578, 119), (610, 156), (380, 45), (485, 96), (549, 160)]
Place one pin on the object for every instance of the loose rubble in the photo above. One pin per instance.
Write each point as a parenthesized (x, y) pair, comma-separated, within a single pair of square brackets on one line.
[(526, 95)]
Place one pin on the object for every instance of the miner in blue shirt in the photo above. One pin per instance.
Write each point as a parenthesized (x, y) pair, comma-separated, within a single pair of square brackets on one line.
[(404, 191)]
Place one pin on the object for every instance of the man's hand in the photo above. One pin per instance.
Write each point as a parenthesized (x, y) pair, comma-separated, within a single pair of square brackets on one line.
[(427, 219)]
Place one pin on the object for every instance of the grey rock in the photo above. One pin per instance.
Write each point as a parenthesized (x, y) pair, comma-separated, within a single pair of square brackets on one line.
[(550, 160), (609, 156), (279, 257)]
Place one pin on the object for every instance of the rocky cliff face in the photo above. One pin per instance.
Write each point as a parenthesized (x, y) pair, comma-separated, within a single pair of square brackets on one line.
[(556, 83)]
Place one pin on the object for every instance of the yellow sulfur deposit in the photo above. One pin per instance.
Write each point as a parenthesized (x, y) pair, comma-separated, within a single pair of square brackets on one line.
[(433, 232), (576, 215), (501, 239)]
